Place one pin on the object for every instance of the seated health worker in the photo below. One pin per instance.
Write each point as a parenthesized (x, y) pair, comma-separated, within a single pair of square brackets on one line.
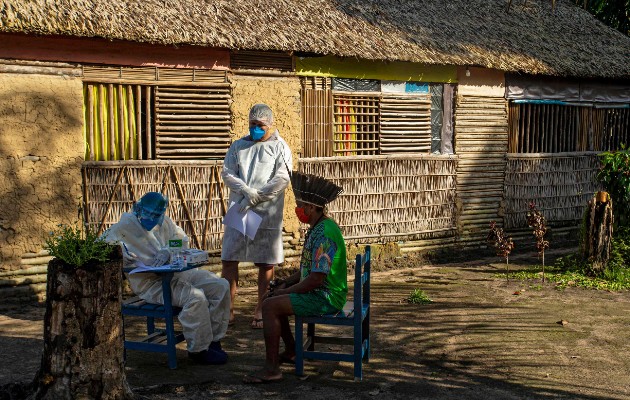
[(204, 298), (321, 284)]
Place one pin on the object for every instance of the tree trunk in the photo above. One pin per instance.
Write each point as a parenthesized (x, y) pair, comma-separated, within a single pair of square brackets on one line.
[(83, 341), (598, 233)]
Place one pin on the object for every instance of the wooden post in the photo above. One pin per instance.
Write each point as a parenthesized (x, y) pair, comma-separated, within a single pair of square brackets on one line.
[(182, 196), (111, 198), (83, 339), (206, 221), (598, 232)]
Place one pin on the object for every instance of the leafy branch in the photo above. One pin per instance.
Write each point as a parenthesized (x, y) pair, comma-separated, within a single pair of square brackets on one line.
[(503, 244), (538, 223), (77, 247)]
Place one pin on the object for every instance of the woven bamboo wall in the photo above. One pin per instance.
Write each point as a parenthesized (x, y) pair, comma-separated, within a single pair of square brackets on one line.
[(481, 141), (560, 185), (390, 198), (111, 188)]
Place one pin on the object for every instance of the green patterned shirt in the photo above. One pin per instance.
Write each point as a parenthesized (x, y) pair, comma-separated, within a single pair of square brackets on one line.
[(325, 251)]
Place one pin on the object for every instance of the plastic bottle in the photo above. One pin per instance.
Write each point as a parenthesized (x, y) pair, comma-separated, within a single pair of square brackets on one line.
[(175, 248), (184, 253)]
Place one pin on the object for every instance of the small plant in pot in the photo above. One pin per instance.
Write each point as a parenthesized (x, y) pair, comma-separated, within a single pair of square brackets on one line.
[(78, 247), (83, 342)]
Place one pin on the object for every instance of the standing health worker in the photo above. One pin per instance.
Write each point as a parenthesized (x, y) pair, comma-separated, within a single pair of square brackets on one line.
[(256, 169)]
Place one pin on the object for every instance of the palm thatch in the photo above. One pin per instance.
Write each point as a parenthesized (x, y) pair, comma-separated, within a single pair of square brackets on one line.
[(531, 37)]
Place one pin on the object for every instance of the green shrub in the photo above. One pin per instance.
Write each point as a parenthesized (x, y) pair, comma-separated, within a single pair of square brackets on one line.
[(614, 174), (77, 247), (418, 297)]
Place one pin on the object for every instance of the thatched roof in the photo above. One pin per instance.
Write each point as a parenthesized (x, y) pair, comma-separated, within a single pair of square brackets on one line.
[(530, 38)]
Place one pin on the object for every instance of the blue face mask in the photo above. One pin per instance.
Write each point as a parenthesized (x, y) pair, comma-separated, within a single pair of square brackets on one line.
[(256, 132), (148, 223), (149, 220)]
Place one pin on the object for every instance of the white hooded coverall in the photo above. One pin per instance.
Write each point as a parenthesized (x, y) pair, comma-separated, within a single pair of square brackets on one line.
[(202, 295), (262, 166)]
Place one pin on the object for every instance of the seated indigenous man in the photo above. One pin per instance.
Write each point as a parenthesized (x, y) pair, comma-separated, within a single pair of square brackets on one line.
[(204, 298), (319, 287)]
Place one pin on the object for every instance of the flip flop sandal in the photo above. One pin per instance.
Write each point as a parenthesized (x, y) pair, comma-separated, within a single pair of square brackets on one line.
[(286, 360)]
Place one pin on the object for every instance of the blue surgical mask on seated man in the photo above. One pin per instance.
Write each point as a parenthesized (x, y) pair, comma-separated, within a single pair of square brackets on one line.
[(150, 210), (256, 132)]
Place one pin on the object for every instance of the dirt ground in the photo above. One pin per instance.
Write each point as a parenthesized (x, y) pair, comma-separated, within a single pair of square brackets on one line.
[(477, 340)]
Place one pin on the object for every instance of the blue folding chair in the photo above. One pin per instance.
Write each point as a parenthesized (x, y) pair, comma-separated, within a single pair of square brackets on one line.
[(356, 313)]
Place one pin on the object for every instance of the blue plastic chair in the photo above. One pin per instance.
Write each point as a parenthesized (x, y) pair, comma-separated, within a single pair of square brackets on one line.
[(356, 314), (157, 340)]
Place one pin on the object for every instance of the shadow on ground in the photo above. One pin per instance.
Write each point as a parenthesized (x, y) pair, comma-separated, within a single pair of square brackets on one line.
[(477, 340)]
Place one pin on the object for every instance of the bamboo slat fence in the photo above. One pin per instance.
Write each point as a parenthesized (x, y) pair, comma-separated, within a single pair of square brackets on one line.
[(255, 60), (151, 75), (356, 123), (391, 198), (555, 128), (611, 128), (560, 184), (405, 123), (148, 113), (317, 122), (196, 192), (481, 142), (192, 122)]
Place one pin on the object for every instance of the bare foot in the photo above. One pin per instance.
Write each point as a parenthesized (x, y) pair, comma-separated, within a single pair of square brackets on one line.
[(231, 320), (263, 376)]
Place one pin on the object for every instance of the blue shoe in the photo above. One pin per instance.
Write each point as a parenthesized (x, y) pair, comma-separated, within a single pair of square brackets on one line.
[(208, 357), (216, 346)]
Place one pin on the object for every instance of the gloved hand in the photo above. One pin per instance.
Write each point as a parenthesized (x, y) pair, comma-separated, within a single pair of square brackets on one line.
[(129, 258), (251, 194), (244, 205), (161, 258)]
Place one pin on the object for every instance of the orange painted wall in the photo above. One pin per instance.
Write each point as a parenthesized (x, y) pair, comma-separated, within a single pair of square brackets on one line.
[(101, 51)]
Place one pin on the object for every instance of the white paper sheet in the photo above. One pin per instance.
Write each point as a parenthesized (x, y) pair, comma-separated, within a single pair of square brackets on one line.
[(142, 267), (247, 223)]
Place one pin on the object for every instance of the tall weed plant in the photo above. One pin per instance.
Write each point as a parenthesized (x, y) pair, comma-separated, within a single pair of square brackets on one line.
[(77, 247)]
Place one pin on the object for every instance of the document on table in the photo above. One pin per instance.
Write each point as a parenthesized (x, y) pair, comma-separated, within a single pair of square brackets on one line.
[(247, 223), (142, 267)]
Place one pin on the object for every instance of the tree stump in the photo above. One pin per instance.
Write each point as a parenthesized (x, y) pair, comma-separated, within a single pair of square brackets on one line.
[(83, 340), (598, 232)]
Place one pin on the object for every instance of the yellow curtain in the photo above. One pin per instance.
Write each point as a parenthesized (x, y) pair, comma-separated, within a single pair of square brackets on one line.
[(101, 102)]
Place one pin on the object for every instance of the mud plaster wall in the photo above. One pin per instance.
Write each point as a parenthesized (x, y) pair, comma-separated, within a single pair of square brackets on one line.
[(283, 96), (481, 82), (41, 150)]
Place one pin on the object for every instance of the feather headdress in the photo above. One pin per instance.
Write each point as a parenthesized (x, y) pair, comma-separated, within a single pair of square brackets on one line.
[(314, 189)]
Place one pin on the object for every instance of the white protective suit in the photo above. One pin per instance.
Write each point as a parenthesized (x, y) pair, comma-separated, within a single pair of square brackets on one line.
[(202, 295), (262, 166)]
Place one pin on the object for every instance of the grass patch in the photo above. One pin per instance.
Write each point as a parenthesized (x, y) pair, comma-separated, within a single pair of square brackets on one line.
[(573, 271), (571, 275), (419, 297)]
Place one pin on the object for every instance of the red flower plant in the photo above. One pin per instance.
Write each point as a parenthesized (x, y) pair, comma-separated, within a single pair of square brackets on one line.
[(502, 244)]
